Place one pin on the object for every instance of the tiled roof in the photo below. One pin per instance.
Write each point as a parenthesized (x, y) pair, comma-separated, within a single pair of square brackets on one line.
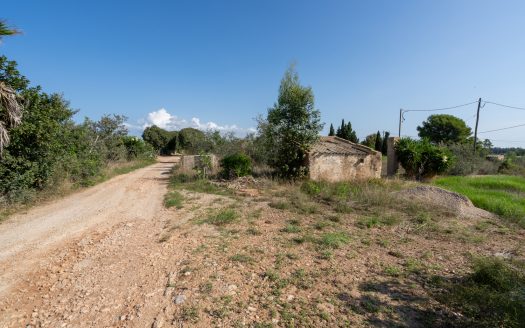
[(339, 146)]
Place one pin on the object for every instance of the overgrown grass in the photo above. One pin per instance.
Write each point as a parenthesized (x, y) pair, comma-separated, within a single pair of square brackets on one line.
[(493, 295), (173, 199), (192, 183), (333, 239), (222, 217), (502, 195)]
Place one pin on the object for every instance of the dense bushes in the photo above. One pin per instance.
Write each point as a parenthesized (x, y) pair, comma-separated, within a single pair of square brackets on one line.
[(513, 165), (468, 162), (48, 148), (421, 159), (236, 165)]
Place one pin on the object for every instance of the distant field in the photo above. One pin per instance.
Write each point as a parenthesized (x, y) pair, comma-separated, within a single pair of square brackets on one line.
[(500, 194)]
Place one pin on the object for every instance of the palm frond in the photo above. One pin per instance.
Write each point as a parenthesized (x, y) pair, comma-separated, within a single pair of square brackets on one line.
[(6, 30), (10, 113)]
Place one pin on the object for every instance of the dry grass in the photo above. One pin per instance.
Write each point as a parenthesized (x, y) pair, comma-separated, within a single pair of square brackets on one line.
[(299, 260)]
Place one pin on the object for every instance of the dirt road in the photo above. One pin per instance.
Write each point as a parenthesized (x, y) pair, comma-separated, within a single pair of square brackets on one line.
[(78, 261)]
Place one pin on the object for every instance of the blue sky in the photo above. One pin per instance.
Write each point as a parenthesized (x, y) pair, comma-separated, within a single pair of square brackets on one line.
[(220, 62)]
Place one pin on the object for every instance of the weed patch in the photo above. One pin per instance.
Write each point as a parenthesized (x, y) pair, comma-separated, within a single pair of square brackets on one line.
[(173, 199), (333, 240), (493, 295), (223, 217)]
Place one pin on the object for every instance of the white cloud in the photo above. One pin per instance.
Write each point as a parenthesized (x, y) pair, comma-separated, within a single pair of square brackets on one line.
[(163, 119)]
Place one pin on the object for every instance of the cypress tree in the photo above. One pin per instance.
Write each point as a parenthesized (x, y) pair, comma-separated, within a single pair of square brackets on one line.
[(332, 132), (384, 147), (379, 142)]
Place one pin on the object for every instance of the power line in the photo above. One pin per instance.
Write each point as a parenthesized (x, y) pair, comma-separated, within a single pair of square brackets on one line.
[(501, 105), (507, 140), (509, 127), (438, 109), (403, 111)]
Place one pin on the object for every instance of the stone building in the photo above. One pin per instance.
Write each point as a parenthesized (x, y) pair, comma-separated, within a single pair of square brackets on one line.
[(335, 159)]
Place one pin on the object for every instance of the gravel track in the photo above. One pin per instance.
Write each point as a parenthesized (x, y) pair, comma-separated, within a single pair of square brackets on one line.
[(79, 261)]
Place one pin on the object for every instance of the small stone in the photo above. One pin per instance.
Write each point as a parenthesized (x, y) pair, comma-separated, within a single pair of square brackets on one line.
[(187, 273), (251, 309), (290, 298), (158, 323), (122, 317), (180, 299), (504, 255)]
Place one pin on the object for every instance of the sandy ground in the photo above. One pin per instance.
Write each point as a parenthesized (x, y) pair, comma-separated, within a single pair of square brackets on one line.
[(113, 256), (79, 261)]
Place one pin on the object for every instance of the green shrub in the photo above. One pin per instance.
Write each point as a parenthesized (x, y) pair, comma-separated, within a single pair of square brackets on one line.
[(137, 148), (492, 296), (468, 162), (311, 188), (421, 159), (236, 165)]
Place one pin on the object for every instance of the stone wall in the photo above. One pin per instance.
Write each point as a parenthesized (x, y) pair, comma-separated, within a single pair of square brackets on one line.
[(392, 161), (337, 167), (188, 163)]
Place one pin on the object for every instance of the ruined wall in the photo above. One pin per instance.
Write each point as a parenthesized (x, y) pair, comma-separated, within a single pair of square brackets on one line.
[(392, 161), (334, 168), (189, 162)]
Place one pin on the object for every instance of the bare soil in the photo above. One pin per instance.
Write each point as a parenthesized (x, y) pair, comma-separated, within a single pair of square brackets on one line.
[(113, 256)]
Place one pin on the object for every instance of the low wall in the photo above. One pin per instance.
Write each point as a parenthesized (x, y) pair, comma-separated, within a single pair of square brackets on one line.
[(188, 163), (336, 167)]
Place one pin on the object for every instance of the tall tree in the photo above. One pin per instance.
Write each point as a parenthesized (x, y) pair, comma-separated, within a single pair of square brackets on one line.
[(10, 106), (158, 138), (332, 132), (369, 141), (378, 142), (444, 129), (384, 146), (345, 131), (291, 127)]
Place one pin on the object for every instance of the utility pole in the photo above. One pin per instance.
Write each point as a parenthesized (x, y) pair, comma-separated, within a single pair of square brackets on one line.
[(476, 129), (400, 118)]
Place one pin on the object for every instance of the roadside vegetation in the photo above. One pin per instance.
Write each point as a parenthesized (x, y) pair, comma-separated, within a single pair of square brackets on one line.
[(43, 152)]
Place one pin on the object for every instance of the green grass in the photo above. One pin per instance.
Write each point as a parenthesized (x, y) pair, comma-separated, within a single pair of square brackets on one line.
[(291, 228), (192, 183), (242, 258), (173, 199), (223, 217), (491, 296), (333, 239), (376, 221), (502, 195)]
